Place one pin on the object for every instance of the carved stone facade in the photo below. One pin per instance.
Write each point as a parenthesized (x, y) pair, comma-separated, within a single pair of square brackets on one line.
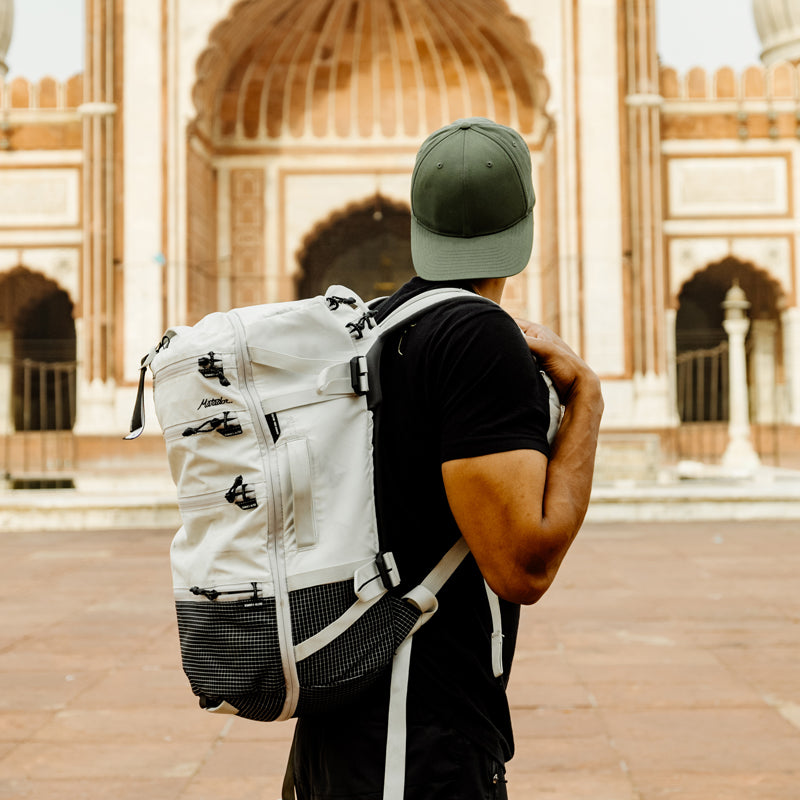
[(209, 150)]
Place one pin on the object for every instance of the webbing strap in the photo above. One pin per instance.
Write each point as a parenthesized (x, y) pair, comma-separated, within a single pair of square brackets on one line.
[(291, 363), (394, 777), (497, 631), (422, 302), (423, 597), (304, 397), (137, 420)]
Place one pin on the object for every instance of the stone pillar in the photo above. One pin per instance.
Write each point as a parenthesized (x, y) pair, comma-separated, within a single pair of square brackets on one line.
[(763, 387), (790, 321), (643, 215), (670, 325), (739, 456), (6, 382)]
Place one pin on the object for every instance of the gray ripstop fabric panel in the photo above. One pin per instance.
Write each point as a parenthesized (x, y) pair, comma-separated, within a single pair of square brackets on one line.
[(340, 671), (230, 652), (230, 649), (316, 607)]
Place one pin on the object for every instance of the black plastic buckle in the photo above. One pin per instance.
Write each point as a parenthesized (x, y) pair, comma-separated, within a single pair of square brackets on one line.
[(384, 571), (358, 375)]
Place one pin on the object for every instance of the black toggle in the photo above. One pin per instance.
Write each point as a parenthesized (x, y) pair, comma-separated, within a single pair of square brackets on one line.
[(334, 302), (224, 425), (240, 488), (211, 367), (357, 328)]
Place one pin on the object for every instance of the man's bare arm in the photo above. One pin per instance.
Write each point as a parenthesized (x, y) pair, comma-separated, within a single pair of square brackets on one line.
[(518, 512)]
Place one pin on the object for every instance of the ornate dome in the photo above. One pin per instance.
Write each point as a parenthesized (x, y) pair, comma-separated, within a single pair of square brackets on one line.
[(6, 27), (778, 26), (277, 69)]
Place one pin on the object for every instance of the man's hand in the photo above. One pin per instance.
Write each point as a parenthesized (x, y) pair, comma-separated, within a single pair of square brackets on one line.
[(568, 371)]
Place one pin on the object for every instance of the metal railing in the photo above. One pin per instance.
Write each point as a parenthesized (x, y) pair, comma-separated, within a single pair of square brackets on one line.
[(702, 384), (38, 444), (44, 395), (703, 408)]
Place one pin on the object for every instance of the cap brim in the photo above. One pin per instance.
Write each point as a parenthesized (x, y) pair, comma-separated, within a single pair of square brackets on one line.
[(496, 255)]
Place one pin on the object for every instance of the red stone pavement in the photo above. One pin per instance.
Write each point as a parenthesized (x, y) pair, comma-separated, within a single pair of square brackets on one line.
[(663, 663)]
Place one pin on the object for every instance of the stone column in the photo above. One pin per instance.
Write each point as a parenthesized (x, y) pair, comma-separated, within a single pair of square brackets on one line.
[(6, 382), (763, 387), (790, 320), (670, 324), (739, 456)]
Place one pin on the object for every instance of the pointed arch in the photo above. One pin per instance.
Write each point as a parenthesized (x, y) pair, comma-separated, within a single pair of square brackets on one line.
[(37, 319), (701, 342), (365, 246)]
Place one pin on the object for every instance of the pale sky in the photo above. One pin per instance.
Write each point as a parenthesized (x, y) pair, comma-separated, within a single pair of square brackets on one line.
[(48, 36)]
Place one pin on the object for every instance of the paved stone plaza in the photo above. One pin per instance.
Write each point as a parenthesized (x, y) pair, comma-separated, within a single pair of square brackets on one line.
[(664, 663)]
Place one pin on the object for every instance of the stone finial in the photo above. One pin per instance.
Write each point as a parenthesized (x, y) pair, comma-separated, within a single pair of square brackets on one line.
[(735, 302)]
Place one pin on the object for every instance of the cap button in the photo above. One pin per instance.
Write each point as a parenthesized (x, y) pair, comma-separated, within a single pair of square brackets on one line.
[(465, 126)]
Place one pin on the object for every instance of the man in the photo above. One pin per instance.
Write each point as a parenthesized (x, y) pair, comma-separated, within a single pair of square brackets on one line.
[(463, 450)]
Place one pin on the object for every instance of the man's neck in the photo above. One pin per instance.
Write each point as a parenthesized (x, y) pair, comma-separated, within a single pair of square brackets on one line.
[(490, 287)]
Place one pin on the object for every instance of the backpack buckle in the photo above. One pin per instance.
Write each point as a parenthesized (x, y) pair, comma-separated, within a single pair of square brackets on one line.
[(376, 577), (358, 374)]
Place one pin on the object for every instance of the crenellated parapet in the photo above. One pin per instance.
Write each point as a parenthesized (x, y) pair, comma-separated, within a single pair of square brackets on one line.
[(755, 103), (778, 82), (20, 94)]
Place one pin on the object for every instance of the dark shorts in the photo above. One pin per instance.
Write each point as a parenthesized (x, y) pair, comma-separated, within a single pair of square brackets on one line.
[(441, 764)]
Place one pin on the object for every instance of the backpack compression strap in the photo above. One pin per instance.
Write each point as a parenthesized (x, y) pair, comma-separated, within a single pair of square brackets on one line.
[(423, 597)]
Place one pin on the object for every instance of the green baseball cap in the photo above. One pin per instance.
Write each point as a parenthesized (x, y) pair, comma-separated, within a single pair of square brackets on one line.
[(472, 202)]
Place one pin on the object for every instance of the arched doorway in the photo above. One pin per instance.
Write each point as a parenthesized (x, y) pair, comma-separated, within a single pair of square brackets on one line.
[(367, 248), (701, 346), (306, 107), (39, 343)]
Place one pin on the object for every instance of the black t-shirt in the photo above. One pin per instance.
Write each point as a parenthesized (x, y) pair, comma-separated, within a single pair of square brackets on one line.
[(459, 383)]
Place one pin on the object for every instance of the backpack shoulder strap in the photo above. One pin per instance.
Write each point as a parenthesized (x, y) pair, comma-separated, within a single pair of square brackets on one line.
[(419, 304)]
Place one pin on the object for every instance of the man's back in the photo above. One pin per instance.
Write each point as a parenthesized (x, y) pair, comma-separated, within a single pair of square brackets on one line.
[(458, 383), (463, 451)]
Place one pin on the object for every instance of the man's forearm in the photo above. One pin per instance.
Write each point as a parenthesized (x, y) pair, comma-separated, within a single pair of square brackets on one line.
[(569, 474)]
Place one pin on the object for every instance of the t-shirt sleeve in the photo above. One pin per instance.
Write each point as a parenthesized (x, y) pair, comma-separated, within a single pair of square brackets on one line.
[(486, 384)]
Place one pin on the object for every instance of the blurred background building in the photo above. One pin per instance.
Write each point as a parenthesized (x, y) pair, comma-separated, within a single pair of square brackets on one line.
[(214, 154)]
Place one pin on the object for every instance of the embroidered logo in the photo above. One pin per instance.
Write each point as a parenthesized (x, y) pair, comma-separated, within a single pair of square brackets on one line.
[(209, 402)]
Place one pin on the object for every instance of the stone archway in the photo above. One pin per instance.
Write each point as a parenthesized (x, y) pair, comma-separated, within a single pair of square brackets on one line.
[(340, 91), (366, 247), (700, 343), (38, 341)]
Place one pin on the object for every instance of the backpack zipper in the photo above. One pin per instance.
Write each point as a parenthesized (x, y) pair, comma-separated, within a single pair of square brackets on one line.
[(214, 373), (232, 592), (277, 561), (220, 499)]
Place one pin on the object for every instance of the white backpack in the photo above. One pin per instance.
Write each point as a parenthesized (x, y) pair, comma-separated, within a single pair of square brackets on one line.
[(280, 575)]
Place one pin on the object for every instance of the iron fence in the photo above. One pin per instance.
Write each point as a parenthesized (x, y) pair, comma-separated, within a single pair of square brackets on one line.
[(702, 387), (702, 384), (38, 444)]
